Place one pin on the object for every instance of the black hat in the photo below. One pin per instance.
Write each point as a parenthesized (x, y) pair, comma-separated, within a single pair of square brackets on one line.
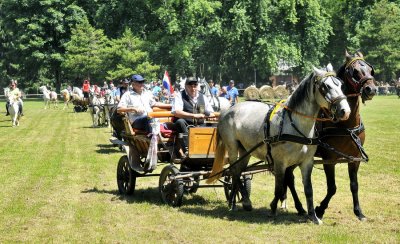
[(191, 80)]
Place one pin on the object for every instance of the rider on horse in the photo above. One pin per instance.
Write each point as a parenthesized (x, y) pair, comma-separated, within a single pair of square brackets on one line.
[(14, 91)]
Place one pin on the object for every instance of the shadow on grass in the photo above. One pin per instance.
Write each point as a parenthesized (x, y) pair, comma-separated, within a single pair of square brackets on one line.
[(149, 195), (107, 149), (197, 205), (259, 215)]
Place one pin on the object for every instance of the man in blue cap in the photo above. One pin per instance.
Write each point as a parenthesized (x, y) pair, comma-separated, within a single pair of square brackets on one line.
[(137, 103)]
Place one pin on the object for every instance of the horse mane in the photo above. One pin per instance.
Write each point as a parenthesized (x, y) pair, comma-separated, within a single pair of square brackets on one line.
[(340, 72), (301, 93)]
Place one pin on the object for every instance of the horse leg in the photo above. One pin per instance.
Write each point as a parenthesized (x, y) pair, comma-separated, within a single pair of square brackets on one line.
[(306, 170), (289, 181), (234, 191), (329, 170), (279, 187), (353, 170), (246, 202)]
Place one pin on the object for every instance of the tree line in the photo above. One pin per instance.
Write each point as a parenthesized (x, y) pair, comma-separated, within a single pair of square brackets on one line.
[(65, 41)]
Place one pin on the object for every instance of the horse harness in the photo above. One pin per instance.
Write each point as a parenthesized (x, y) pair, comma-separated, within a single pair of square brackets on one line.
[(302, 139)]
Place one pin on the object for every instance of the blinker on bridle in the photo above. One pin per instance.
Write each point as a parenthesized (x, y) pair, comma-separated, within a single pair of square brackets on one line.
[(357, 84), (323, 89)]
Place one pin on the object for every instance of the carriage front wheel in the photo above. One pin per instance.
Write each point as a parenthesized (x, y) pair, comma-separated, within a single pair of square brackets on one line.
[(126, 177), (171, 189), (246, 181)]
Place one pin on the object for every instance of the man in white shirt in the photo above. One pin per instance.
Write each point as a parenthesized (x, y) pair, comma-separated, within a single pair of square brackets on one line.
[(137, 103), (190, 108)]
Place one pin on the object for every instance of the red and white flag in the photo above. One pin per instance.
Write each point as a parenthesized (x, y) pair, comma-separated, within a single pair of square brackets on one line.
[(167, 83)]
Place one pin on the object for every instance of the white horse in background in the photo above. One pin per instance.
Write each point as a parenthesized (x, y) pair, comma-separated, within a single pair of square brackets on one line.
[(13, 107), (78, 92), (97, 110), (49, 97), (219, 104), (67, 97)]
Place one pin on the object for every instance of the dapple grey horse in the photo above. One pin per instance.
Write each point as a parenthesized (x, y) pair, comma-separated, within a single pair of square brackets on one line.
[(289, 135)]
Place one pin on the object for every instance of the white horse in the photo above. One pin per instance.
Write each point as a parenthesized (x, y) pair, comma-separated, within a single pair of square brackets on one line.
[(49, 97), (288, 132), (78, 92), (13, 107), (97, 110), (219, 104)]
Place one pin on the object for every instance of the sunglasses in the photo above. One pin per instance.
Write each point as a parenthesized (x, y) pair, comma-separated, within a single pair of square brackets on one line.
[(192, 85)]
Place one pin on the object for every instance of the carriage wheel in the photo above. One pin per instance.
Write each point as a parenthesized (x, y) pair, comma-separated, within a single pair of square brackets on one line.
[(171, 191), (246, 180), (126, 177)]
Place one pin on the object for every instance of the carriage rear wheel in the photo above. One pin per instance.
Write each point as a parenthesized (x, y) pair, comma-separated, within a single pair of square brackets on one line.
[(171, 190), (126, 177), (246, 181)]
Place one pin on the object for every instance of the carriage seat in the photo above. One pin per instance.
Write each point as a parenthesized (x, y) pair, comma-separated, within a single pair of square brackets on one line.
[(166, 130)]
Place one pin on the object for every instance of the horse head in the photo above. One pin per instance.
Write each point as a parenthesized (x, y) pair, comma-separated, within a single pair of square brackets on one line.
[(204, 87), (329, 94), (43, 89), (358, 76)]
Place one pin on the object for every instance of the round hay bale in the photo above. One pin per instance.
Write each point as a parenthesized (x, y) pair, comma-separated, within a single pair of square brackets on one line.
[(281, 92), (251, 93), (266, 92)]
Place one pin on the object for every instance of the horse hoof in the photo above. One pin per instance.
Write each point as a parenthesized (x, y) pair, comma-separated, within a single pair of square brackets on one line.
[(319, 212), (272, 213), (284, 205), (315, 219), (247, 207), (362, 218), (233, 209)]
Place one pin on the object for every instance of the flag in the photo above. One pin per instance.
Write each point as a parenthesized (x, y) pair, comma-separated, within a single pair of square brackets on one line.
[(167, 83)]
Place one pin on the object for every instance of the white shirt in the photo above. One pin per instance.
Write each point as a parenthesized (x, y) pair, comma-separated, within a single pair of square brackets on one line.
[(177, 104), (143, 101)]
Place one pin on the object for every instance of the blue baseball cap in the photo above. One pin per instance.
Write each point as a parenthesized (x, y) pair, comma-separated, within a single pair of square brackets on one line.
[(138, 78)]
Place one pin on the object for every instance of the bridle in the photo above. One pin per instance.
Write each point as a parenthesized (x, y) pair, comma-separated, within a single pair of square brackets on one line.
[(324, 90), (357, 84)]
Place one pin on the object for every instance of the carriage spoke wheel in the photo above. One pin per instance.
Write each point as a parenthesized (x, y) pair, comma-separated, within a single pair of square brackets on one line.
[(246, 181), (126, 177), (171, 190)]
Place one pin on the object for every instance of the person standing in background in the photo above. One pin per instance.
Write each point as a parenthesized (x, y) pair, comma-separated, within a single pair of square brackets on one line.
[(86, 90), (233, 93)]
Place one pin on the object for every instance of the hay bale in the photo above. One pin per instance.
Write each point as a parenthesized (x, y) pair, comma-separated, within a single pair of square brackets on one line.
[(251, 93), (281, 92), (266, 92)]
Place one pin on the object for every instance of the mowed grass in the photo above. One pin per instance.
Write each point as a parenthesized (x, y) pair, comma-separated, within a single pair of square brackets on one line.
[(58, 184)]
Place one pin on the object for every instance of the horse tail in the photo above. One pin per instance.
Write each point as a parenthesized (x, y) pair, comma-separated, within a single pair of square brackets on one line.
[(219, 160)]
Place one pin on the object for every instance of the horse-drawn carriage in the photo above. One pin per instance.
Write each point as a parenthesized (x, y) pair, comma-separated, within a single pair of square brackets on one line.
[(181, 174), (293, 145), (80, 105)]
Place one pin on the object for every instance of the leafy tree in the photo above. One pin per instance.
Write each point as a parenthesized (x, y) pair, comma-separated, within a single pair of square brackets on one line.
[(126, 56), (345, 16), (379, 36), (32, 35), (85, 52)]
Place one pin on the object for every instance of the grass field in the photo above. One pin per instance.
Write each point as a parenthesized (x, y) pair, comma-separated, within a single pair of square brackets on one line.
[(58, 184)]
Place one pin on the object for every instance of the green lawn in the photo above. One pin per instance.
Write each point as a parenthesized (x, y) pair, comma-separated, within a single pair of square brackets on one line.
[(58, 178)]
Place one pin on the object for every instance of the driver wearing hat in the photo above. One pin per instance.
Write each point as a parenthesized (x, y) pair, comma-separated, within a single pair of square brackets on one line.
[(137, 103), (124, 86), (190, 108)]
